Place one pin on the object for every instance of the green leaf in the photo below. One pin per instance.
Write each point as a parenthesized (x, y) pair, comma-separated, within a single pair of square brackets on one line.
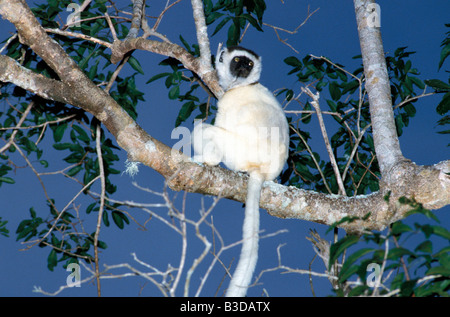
[(210, 18), (174, 92), (425, 246), (185, 112), (58, 132), (339, 247), (347, 269), (7, 180), (445, 52), (398, 252), (289, 93), (335, 91), (342, 75), (398, 280), (426, 229), (43, 163), (443, 252), (75, 170), (90, 208), (62, 146), (332, 105), (437, 84), (399, 228), (52, 260), (105, 218), (101, 6), (399, 125), (407, 66), (253, 22), (186, 45), (410, 109), (445, 271), (233, 33), (82, 135), (101, 244), (417, 82), (221, 25), (260, 7), (407, 288), (208, 6), (22, 226), (444, 106), (306, 117), (350, 86), (93, 71), (441, 231), (28, 144), (3, 230), (135, 64), (321, 83), (358, 290), (419, 210), (119, 219), (158, 76), (293, 61)]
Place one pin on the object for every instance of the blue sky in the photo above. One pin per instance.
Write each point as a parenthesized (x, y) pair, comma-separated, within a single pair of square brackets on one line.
[(330, 32)]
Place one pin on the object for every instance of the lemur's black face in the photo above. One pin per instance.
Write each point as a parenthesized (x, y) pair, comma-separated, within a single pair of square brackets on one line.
[(237, 66), (241, 66)]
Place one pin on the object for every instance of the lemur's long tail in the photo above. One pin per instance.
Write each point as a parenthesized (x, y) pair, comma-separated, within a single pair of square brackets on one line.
[(249, 252)]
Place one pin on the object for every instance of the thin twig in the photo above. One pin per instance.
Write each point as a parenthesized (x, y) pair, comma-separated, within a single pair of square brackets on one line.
[(276, 29), (383, 265), (161, 15), (102, 205), (76, 14), (355, 147), (361, 90), (62, 211), (313, 158), (184, 243), (410, 99), (402, 260), (79, 35), (315, 104), (39, 125), (21, 121), (111, 27), (7, 42), (49, 200)]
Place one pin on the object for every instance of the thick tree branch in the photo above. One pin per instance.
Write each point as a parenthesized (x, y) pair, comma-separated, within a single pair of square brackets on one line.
[(201, 66), (138, 12), (120, 48), (202, 37), (427, 185), (385, 137), (13, 72)]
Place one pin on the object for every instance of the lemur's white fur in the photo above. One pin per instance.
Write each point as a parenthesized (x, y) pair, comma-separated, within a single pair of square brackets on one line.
[(250, 134)]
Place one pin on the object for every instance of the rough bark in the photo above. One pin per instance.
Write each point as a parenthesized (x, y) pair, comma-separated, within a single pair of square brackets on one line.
[(429, 185), (387, 146)]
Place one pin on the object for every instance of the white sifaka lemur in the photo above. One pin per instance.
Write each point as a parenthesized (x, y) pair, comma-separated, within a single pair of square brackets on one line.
[(250, 134)]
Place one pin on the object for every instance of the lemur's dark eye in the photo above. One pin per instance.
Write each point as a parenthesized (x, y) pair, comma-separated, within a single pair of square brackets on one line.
[(250, 63), (236, 59)]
